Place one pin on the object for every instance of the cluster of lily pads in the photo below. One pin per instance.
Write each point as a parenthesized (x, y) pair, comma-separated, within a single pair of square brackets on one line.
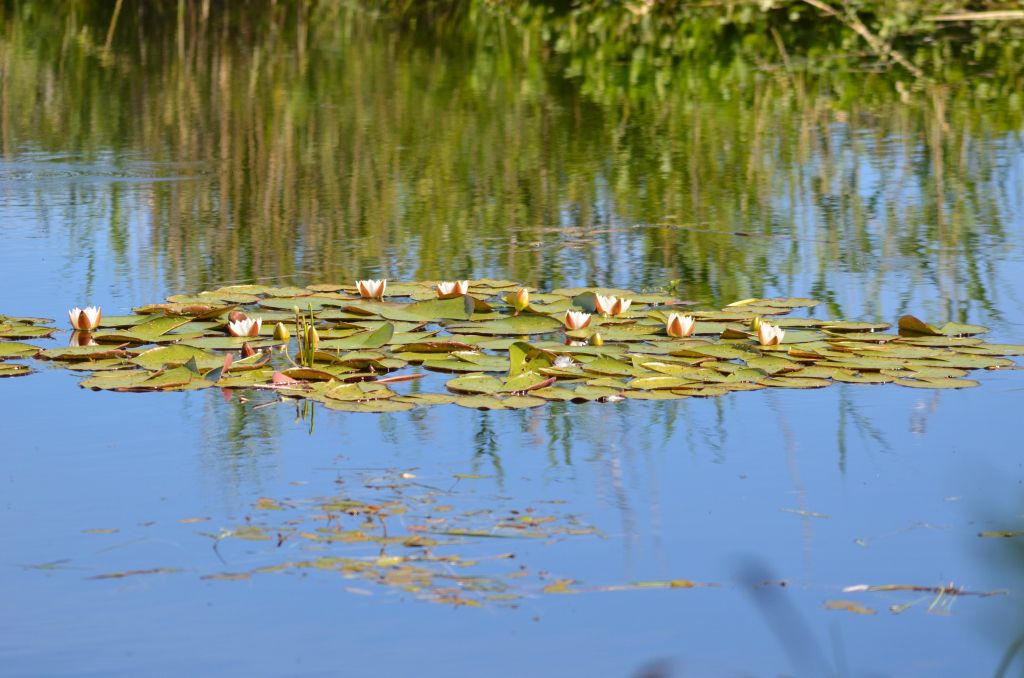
[(365, 347)]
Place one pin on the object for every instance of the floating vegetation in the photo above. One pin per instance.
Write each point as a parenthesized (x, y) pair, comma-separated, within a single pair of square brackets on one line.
[(935, 599), (394, 533), (501, 345)]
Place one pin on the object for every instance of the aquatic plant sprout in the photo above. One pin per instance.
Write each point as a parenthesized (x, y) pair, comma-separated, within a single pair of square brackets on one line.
[(490, 350)]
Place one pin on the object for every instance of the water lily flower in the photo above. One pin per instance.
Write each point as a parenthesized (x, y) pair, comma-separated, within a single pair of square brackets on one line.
[(563, 361), (576, 320), (449, 290), (768, 334), (679, 326), (521, 299), (621, 305), (250, 327), (281, 332), (372, 289), (603, 304), (85, 319)]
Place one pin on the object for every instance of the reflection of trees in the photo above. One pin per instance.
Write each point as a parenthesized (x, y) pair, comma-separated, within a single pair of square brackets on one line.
[(233, 439), (312, 144)]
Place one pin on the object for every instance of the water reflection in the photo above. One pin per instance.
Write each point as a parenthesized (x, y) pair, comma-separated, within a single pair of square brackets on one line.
[(364, 152)]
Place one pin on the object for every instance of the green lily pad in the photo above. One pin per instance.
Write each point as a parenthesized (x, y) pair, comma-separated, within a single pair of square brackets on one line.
[(486, 402), (369, 406), (176, 355), (15, 349), (937, 383), (512, 325)]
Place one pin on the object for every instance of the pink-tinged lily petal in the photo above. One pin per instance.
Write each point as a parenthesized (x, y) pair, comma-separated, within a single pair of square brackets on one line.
[(603, 304), (769, 335), (576, 320), (249, 327), (450, 290), (86, 319), (372, 289), (621, 306), (679, 326)]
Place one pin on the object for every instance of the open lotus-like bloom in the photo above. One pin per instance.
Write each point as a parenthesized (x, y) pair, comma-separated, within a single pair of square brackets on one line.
[(449, 290), (372, 289), (249, 327), (603, 304), (679, 326), (768, 334), (86, 319), (621, 305), (576, 320)]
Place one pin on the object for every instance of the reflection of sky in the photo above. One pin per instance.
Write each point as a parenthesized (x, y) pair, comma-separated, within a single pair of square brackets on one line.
[(681, 490)]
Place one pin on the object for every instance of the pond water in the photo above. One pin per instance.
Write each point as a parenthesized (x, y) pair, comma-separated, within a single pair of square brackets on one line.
[(178, 162)]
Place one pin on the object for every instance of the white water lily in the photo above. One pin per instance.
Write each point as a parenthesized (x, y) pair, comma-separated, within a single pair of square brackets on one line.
[(563, 361), (621, 305), (604, 304), (86, 319), (372, 289), (768, 334), (679, 326), (448, 290), (248, 327), (576, 320)]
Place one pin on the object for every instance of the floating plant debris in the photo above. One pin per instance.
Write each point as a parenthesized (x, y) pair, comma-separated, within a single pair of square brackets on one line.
[(499, 345), (394, 534)]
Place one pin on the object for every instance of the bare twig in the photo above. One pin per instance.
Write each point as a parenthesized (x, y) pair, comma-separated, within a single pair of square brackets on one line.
[(879, 46)]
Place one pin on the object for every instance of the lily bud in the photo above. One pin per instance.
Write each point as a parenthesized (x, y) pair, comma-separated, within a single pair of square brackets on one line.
[(281, 332), (755, 323), (521, 299), (312, 338), (597, 339)]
